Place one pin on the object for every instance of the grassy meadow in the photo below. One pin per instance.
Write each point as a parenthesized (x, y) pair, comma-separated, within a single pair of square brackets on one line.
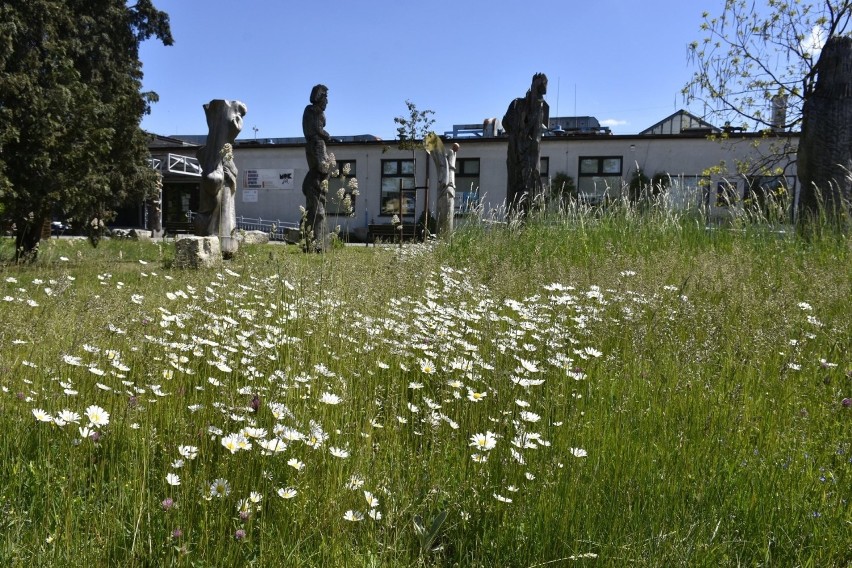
[(582, 391)]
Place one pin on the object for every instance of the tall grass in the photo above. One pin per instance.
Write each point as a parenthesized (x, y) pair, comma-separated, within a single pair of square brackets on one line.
[(602, 388)]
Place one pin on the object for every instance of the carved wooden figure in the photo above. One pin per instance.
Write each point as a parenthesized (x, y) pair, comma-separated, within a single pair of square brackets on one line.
[(524, 120), (315, 185), (216, 213)]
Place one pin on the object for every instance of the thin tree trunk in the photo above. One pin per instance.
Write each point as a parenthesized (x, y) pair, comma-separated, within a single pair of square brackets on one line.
[(28, 236)]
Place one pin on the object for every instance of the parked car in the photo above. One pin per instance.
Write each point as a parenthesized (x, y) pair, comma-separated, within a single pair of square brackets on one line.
[(58, 228)]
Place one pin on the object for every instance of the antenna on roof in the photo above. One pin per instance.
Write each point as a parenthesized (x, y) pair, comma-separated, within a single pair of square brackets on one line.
[(558, 128), (575, 99), (558, 80)]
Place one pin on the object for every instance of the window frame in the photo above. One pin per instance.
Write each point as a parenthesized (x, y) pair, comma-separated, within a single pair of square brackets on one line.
[(467, 198), (599, 172), (690, 190), (727, 193), (408, 193), (759, 185)]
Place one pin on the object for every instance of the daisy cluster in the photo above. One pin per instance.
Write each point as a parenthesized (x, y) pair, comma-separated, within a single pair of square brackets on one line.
[(497, 375), (490, 378), (278, 389)]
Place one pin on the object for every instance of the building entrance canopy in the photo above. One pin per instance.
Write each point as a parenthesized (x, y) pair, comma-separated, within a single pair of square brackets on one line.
[(176, 164)]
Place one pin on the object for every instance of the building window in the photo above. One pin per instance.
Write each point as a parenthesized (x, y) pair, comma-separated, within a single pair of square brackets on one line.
[(340, 199), (768, 197), (687, 191), (762, 188), (398, 194), (544, 167), (467, 184), (599, 177), (726, 193), (179, 199)]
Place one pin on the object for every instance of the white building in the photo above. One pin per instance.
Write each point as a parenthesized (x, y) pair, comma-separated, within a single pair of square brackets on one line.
[(601, 166)]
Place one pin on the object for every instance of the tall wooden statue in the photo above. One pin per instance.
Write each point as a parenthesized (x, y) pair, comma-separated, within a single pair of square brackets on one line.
[(524, 121), (315, 185), (216, 213)]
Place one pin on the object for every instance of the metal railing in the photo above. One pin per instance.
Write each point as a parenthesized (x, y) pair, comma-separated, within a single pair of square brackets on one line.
[(277, 229)]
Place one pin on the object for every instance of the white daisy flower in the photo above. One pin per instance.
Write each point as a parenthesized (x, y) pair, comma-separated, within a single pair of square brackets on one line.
[(287, 492), (41, 415), (579, 452), (97, 415), (485, 441), (330, 398), (339, 452)]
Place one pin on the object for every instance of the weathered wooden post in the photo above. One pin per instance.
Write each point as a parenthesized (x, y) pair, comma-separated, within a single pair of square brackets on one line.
[(445, 164)]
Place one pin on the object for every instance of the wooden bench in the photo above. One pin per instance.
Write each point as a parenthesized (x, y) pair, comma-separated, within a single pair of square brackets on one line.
[(178, 228), (391, 233)]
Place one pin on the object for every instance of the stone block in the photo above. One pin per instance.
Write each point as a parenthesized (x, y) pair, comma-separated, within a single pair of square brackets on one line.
[(197, 252), (139, 235), (255, 238)]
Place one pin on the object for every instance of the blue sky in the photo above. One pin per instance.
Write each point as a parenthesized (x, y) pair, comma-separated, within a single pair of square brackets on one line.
[(621, 61)]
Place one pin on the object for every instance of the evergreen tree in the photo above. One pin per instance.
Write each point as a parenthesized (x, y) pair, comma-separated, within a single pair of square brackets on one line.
[(70, 108)]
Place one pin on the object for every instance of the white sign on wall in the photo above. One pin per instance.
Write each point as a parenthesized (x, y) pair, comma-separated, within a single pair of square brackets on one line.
[(249, 196), (268, 179)]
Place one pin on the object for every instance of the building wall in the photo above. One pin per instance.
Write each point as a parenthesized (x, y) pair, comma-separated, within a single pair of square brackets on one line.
[(674, 155), (683, 158), (278, 203)]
